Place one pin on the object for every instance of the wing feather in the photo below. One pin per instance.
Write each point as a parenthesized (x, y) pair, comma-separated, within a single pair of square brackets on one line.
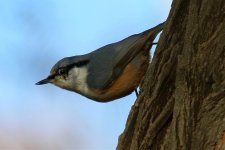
[(108, 62)]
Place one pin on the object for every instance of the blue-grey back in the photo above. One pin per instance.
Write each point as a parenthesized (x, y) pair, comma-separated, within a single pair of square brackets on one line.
[(103, 67)]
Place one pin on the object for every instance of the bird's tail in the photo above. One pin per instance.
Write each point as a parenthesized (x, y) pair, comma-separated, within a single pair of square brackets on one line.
[(152, 33)]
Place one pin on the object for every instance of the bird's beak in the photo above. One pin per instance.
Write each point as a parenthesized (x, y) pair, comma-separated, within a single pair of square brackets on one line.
[(45, 81)]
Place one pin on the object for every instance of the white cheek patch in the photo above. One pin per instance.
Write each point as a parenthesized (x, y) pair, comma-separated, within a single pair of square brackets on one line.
[(78, 78)]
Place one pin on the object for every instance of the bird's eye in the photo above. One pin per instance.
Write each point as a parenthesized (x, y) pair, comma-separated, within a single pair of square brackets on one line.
[(61, 71), (79, 64)]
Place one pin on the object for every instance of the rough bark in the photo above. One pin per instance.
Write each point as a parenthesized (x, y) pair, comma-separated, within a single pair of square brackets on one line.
[(182, 102)]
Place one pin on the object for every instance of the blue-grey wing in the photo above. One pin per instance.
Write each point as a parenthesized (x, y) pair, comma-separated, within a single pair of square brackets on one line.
[(108, 62)]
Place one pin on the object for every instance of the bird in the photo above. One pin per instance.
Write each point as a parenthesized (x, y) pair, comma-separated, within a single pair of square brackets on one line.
[(108, 73)]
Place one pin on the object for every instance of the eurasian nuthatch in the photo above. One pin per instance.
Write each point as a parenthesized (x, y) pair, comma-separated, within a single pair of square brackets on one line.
[(107, 73)]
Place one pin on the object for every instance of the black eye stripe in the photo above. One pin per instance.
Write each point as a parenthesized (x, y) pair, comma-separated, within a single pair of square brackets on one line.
[(81, 63), (64, 70)]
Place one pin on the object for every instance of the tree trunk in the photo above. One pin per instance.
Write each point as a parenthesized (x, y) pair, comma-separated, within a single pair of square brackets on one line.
[(182, 99)]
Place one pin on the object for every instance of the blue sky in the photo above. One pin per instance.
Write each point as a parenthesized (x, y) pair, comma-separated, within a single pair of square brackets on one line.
[(34, 35)]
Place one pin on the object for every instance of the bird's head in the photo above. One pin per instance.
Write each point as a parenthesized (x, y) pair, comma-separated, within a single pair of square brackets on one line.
[(69, 73)]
